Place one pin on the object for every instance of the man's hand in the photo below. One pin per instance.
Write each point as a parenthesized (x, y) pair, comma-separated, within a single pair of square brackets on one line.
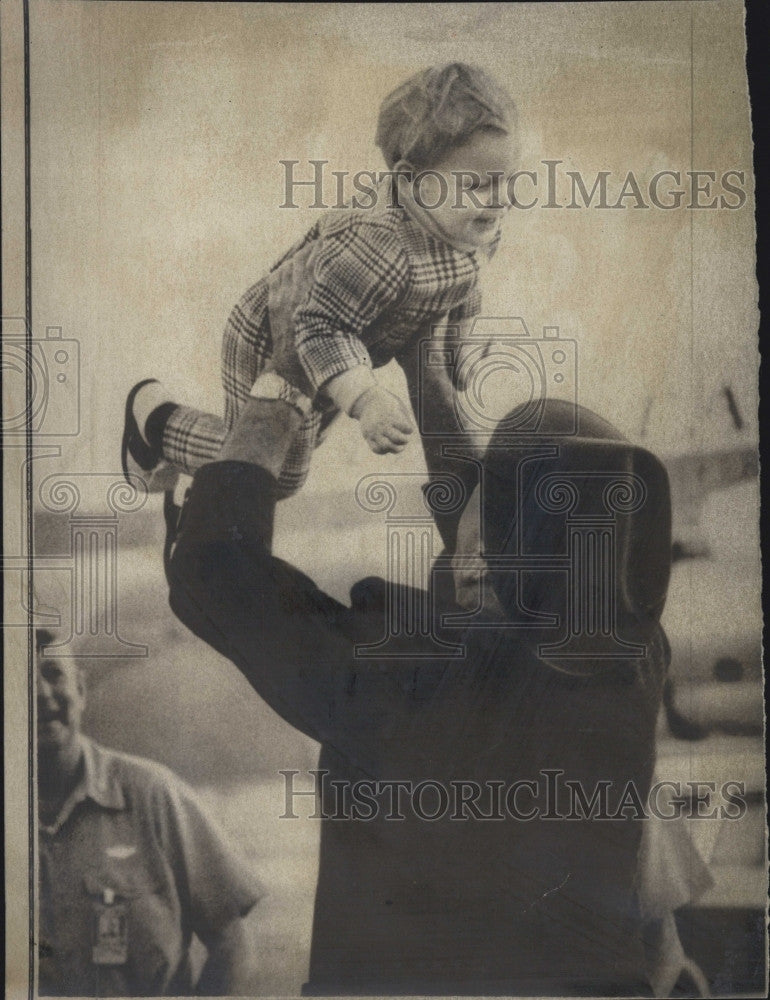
[(385, 421), (262, 434), (232, 967)]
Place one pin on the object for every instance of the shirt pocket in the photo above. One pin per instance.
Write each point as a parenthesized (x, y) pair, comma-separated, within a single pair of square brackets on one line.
[(125, 879)]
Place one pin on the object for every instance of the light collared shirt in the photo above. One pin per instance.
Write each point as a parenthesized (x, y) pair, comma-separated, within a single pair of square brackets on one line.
[(132, 848)]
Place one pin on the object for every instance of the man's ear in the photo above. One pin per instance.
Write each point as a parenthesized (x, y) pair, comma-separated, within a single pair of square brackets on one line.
[(405, 169), (80, 680)]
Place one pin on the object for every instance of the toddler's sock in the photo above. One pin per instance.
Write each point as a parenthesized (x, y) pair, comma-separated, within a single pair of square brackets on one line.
[(151, 398), (156, 424)]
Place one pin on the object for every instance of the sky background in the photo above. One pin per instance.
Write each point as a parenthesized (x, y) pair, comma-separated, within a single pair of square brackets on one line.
[(157, 131)]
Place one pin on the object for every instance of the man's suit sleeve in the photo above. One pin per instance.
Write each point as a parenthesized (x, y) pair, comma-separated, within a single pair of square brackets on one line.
[(283, 633)]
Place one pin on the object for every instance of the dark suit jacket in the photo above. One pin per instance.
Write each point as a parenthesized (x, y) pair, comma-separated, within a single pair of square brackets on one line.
[(412, 905)]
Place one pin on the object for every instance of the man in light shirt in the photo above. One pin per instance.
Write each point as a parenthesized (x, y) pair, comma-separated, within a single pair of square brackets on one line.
[(130, 866)]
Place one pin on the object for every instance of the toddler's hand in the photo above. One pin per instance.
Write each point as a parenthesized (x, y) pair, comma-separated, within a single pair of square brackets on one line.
[(385, 421)]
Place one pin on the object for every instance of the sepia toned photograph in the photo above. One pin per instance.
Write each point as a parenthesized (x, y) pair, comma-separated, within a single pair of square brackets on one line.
[(381, 560)]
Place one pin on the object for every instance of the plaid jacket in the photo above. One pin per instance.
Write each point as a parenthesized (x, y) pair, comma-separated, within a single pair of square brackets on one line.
[(380, 281)]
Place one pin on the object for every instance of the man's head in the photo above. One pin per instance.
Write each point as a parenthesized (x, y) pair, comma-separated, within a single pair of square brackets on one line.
[(594, 511), (453, 130), (576, 533), (60, 698)]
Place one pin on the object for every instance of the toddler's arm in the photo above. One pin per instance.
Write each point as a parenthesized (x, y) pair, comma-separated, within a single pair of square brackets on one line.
[(359, 272), (385, 421)]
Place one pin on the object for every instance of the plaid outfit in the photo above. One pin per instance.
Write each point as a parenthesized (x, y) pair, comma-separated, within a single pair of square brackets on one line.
[(380, 281)]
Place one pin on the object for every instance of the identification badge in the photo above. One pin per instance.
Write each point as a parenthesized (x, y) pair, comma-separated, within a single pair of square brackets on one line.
[(110, 946)]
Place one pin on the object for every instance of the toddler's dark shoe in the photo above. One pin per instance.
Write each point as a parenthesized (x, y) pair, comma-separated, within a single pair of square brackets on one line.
[(138, 459)]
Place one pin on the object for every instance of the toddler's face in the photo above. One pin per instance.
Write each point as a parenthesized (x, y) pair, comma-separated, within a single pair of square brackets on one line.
[(471, 194)]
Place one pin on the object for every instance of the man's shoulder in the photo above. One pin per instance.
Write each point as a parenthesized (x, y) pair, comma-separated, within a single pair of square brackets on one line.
[(132, 774)]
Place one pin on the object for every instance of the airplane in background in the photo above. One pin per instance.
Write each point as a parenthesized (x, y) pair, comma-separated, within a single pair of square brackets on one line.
[(714, 616)]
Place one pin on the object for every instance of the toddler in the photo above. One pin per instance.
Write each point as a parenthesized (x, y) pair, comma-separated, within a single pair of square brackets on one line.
[(375, 282)]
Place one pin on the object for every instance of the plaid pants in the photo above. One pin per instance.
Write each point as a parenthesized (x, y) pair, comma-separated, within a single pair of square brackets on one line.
[(193, 438)]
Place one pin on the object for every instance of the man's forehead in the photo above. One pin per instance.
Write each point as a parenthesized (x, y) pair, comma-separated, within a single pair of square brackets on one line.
[(48, 661), (43, 638), (61, 665)]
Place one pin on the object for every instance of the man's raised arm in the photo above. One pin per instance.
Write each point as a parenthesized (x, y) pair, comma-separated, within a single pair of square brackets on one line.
[(271, 620)]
